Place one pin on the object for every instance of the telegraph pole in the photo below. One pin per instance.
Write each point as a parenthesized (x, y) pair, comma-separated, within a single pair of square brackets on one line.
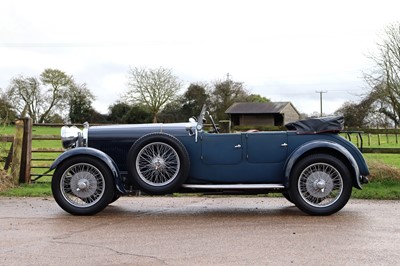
[(320, 99)]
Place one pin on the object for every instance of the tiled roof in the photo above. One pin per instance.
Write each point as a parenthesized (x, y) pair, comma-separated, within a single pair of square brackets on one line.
[(257, 108)]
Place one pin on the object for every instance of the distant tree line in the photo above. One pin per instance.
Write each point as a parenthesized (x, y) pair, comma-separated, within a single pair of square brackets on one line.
[(152, 96)]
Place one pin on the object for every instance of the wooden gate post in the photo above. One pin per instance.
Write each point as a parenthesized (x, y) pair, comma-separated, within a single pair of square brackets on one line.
[(17, 151), (26, 155)]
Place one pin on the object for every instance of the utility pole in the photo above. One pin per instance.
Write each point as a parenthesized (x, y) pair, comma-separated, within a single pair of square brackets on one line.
[(320, 99)]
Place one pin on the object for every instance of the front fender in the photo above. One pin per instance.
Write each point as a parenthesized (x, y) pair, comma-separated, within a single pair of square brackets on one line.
[(326, 145), (94, 153)]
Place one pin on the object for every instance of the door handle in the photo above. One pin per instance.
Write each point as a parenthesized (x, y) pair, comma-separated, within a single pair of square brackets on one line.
[(238, 146), (284, 144)]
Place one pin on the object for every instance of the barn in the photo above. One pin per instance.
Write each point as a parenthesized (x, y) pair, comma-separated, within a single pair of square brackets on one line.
[(266, 114)]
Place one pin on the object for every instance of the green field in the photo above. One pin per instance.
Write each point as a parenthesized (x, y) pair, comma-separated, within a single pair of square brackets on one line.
[(375, 140), (385, 168), (40, 159)]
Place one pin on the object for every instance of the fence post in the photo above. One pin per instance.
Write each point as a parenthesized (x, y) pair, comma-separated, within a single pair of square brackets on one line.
[(225, 126), (26, 155), (17, 151)]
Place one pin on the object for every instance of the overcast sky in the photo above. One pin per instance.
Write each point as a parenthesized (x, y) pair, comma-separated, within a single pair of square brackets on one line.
[(283, 50)]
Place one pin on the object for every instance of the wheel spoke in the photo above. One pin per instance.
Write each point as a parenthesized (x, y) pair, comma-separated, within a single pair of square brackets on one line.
[(157, 164), (82, 185), (320, 184)]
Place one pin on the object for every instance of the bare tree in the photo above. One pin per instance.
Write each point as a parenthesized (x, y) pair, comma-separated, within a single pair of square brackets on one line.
[(153, 88), (385, 78), (358, 115), (7, 112), (25, 95), (58, 85), (224, 94), (43, 98)]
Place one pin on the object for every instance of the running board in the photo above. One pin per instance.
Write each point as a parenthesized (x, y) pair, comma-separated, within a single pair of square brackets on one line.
[(235, 186)]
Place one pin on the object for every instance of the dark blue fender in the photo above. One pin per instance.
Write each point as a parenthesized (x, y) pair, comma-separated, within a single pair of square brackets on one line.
[(325, 145), (94, 153)]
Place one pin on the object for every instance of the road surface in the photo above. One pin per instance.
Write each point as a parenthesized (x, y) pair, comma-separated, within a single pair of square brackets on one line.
[(198, 231)]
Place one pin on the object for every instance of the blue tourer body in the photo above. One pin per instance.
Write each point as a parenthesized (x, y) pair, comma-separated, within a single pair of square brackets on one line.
[(310, 163)]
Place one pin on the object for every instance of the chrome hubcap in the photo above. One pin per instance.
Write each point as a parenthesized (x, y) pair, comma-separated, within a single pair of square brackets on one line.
[(158, 164), (82, 185), (320, 185)]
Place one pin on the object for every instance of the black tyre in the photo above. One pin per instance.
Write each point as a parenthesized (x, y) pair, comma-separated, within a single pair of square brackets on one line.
[(320, 184), (158, 163), (115, 198), (83, 185), (287, 196)]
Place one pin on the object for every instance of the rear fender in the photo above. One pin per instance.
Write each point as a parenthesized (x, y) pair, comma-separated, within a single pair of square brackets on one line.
[(94, 153), (326, 145)]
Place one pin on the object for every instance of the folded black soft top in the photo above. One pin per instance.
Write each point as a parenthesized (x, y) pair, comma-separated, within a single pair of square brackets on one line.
[(317, 125)]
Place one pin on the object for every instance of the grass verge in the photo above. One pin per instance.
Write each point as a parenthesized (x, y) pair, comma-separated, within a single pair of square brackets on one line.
[(28, 190), (381, 190), (378, 190)]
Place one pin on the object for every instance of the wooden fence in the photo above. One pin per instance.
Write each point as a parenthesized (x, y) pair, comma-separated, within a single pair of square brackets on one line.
[(21, 161), (7, 159), (29, 164)]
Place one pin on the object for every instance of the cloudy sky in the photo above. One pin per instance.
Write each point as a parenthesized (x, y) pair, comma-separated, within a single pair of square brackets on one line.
[(284, 50)]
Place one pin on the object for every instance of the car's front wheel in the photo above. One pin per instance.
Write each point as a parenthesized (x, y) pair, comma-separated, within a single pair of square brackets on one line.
[(83, 185), (320, 184)]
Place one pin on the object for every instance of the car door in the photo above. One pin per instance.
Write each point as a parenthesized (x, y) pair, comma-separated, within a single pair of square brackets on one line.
[(266, 147), (221, 149)]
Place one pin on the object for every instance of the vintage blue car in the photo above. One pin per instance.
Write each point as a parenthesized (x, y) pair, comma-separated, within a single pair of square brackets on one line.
[(310, 163)]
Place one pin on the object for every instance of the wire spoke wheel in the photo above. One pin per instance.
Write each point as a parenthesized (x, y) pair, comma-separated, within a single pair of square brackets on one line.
[(82, 185), (157, 164), (320, 185)]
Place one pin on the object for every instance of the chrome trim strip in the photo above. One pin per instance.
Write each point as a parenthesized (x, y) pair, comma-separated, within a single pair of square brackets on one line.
[(235, 186)]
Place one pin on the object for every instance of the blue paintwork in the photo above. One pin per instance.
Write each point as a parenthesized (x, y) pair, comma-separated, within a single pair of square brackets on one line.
[(327, 146), (94, 153), (246, 158)]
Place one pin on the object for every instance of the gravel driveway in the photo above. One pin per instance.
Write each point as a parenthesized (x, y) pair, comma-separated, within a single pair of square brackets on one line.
[(198, 231)]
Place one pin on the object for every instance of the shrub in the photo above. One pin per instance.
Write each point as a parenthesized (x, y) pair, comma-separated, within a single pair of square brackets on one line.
[(383, 172), (6, 181)]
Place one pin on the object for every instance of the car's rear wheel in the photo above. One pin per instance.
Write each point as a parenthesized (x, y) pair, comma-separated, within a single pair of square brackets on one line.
[(320, 184), (82, 185), (158, 163)]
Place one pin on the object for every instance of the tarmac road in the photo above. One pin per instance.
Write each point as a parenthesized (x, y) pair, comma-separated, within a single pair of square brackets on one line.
[(198, 231)]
